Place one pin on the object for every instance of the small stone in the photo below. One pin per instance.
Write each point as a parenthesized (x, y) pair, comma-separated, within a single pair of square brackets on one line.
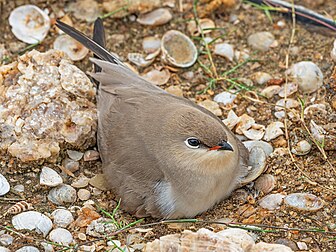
[(62, 218), (70, 164), (100, 227), (28, 249), (333, 52), (151, 44), (81, 181), (271, 201), (273, 130), (157, 17), (261, 41), (62, 194), (261, 78), (304, 201), (86, 10), (270, 91), (301, 148), (212, 106), (175, 90), (287, 243), (3, 249), (49, 177), (81, 236), (99, 182), (83, 194), (6, 239), (47, 247), (19, 188), (225, 50), (225, 98), (91, 155), (61, 236), (302, 246), (263, 247), (75, 155)]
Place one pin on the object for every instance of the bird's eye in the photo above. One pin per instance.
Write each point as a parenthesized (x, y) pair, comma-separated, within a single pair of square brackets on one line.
[(192, 142)]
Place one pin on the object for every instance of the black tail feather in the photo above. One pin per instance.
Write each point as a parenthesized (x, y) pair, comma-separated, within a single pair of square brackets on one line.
[(99, 38)]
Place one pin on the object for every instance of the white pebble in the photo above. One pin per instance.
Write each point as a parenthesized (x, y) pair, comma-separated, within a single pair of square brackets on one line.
[(225, 98), (83, 194), (49, 177), (61, 235), (62, 217), (225, 50)]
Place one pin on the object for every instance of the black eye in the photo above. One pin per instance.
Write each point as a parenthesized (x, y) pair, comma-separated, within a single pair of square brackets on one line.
[(192, 142)]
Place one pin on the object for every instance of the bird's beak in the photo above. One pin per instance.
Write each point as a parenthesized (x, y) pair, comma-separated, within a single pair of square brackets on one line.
[(222, 146)]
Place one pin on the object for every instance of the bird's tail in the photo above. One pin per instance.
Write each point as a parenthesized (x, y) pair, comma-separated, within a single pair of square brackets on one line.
[(97, 45), (99, 38)]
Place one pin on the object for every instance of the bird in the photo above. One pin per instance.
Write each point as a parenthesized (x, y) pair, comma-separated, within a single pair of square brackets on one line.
[(162, 155)]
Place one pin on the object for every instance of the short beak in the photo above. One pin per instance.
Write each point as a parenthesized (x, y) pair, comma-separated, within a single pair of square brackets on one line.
[(222, 146)]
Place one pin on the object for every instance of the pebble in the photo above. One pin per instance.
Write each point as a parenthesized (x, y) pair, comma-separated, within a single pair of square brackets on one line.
[(32, 220), (267, 148), (99, 182), (263, 247), (62, 194), (49, 177), (175, 90), (304, 201), (238, 236), (70, 164), (225, 98), (157, 17), (3, 249), (100, 227), (62, 218), (4, 185), (157, 77), (288, 243), (73, 49), (273, 130), (270, 91), (261, 41), (333, 52), (301, 148), (81, 236), (307, 75), (91, 155), (61, 236), (6, 239), (75, 155), (265, 183), (212, 106), (271, 201), (288, 89), (261, 78), (47, 247), (302, 246), (19, 188), (87, 10), (139, 59), (28, 249), (151, 44), (226, 50), (83, 194), (80, 182)]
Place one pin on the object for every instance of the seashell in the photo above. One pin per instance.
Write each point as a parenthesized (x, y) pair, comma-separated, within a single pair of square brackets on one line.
[(70, 165), (315, 108), (157, 17), (273, 130), (100, 227), (212, 106), (307, 75), (47, 247), (302, 246), (75, 155), (262, 247), (4, 185), (32, 220), (28, 249), (261, 41), (3, 249), (83, 194), (270, 91), (62, 217), (290, 89), (49, 177), (6, 240), (267, 148), (157, 77), (271, 201), (19, 207), (333, 52), (75, 50), (81, 181), (91, 155), (290, 103), (242, 55), (225, 98), (256, 132), (86, 10), (139, 60), (226, 50), (151, 44), (304, 201), (178, 49), (231, 120), (19, 188), (317, 131), (265, 183), (62, 194), (175, 90), (29, 23), (261, 78), (245, 122), (257, 164), (206, 25), (301, 148), (238, 236), (202, 240), (61, 236)]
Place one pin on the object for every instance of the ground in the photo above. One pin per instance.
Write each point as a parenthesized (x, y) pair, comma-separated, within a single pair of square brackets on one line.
[(309, 173)]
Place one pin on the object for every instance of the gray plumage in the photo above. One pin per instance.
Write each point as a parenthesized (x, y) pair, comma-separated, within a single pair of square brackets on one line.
[(142, 140)]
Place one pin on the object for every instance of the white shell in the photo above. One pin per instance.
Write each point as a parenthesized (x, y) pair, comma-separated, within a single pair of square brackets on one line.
[(27, 249), (226, 50), (301, 148), (32, 220), (29, 23), (238, 236), (205, 24), (257, 164), (261, 78), (4, 185), (225, 98), (81, 181), (62, 194), (61, 236), (6, 239), (3, 249), (304, 201), (261, 41), (256, 132), (245, 122), (231, 120), (62, 217), (157, 17), (267, 148), (157, 77), (139, 59), (75, 155), (315, 108), (265, 183), (91, 155), (75, 50), (151, 44), (290, 103), (289, 89), (308, 76), (270, 91), (212, 106), (49, 177), (317, 131), (271, 201), (178, 49), (263, 247), (83, 194), (333, 52), (273, 130)]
